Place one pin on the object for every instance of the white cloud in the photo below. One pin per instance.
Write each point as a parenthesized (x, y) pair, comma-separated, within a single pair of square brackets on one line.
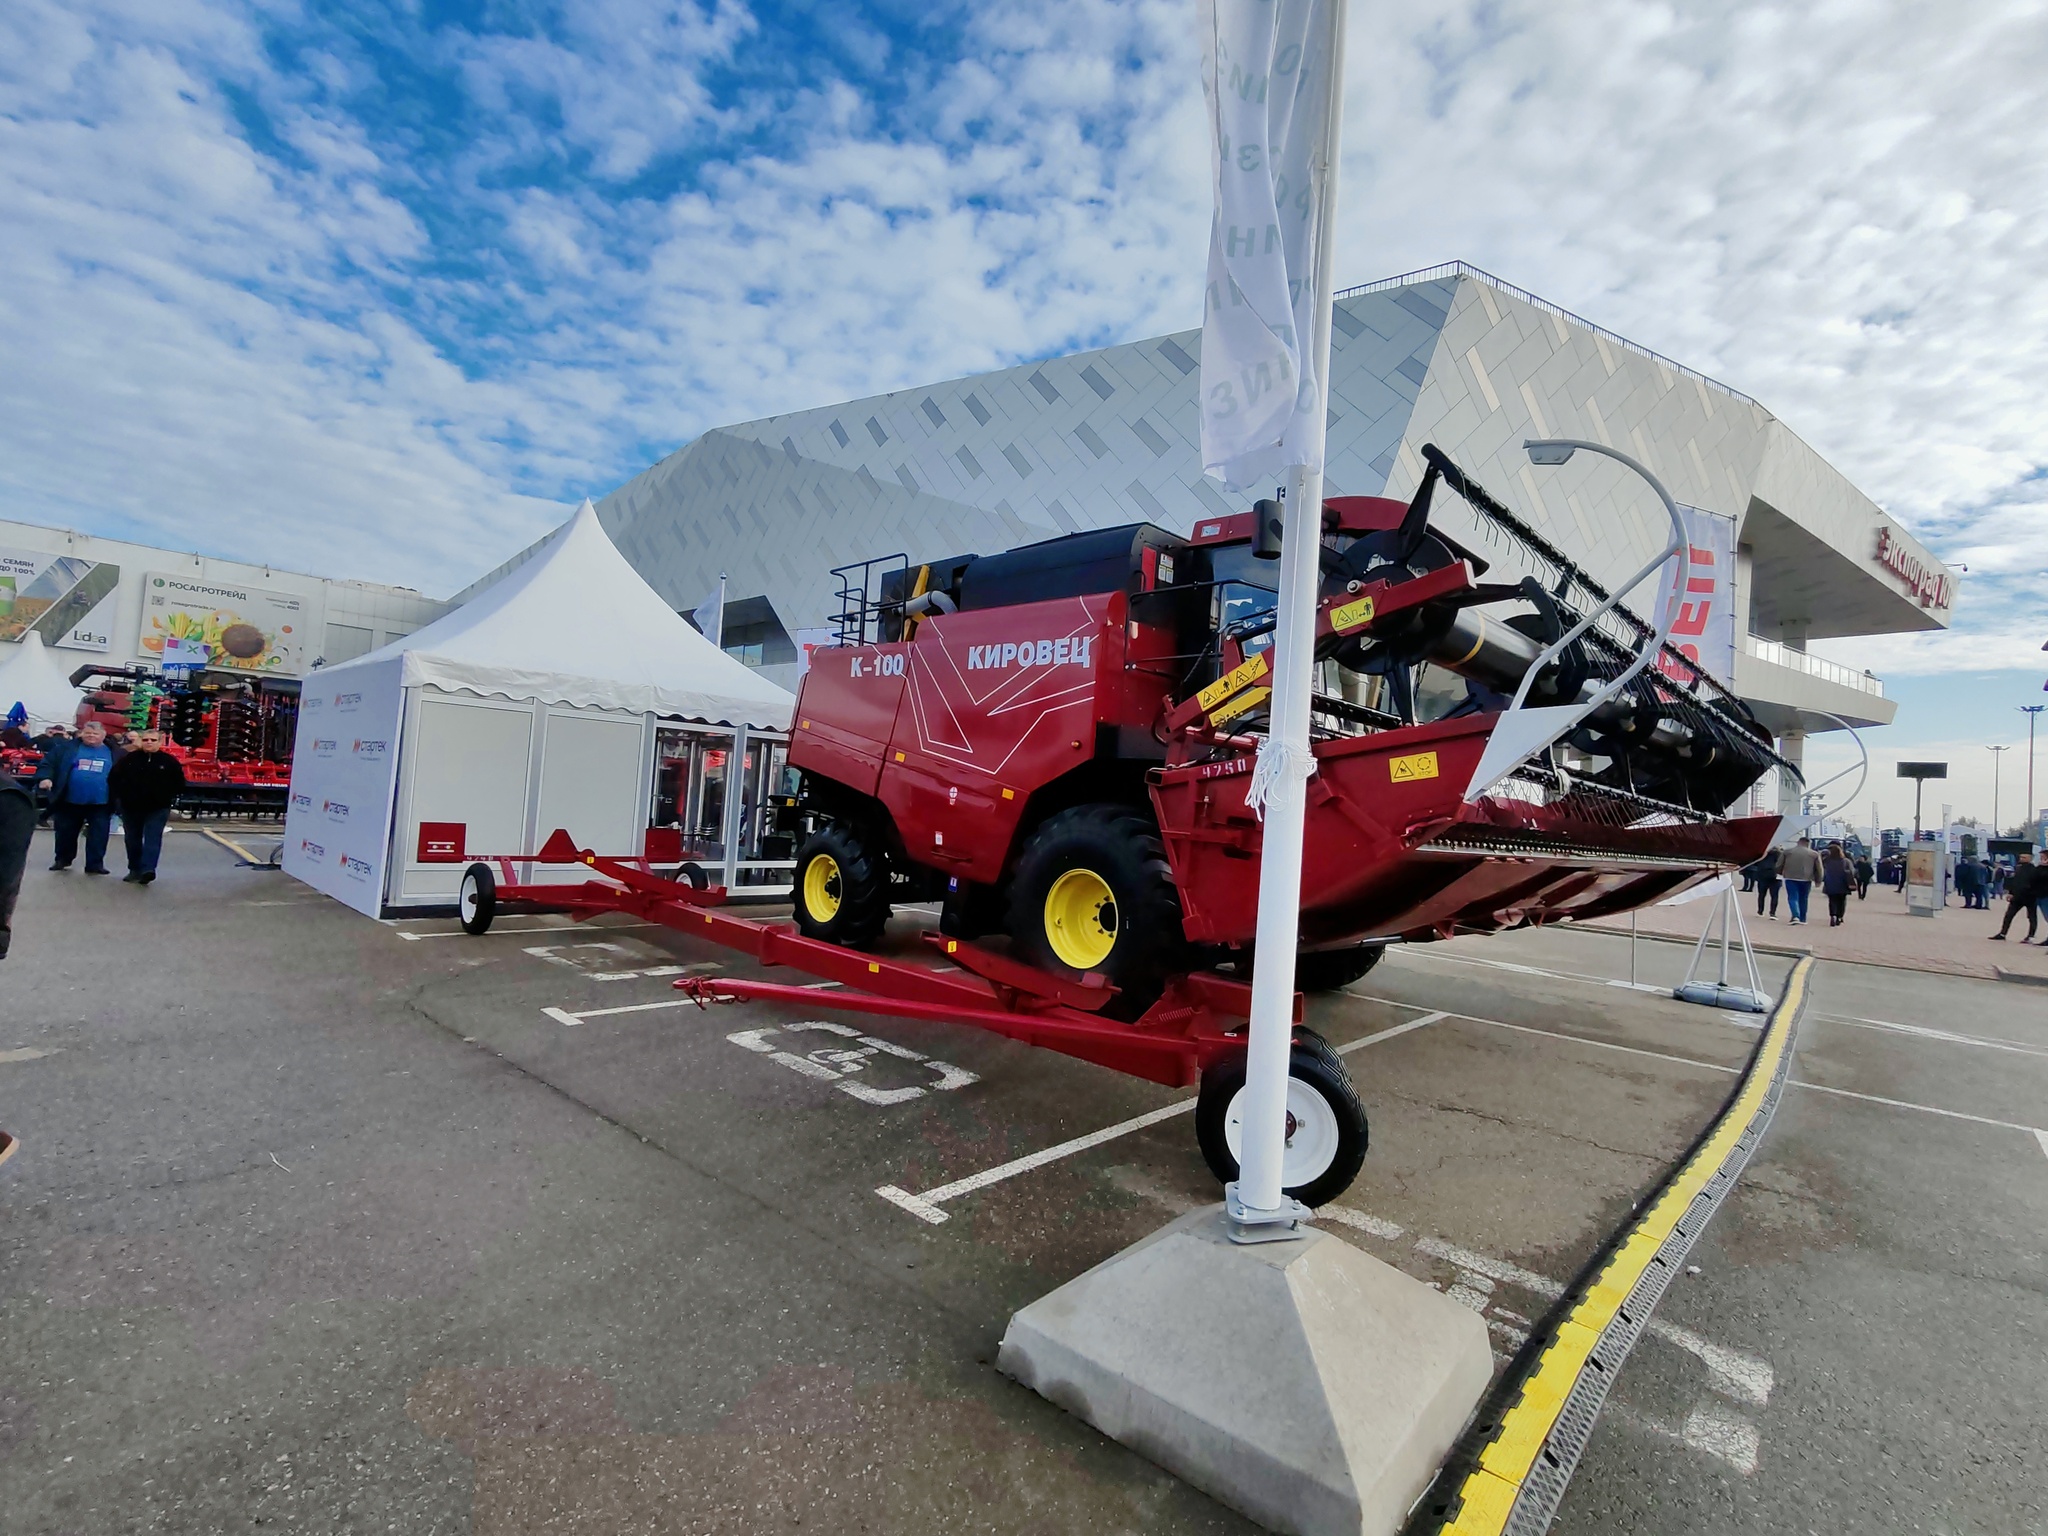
[(341, 353)]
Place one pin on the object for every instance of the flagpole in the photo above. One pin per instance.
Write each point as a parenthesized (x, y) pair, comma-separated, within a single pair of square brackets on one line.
[(1256, 1207)]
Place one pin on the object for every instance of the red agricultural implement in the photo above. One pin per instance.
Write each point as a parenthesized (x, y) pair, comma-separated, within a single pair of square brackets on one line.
[(1056, 742)]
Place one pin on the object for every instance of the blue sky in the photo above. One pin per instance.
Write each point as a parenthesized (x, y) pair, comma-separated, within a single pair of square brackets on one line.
[(379, 290)]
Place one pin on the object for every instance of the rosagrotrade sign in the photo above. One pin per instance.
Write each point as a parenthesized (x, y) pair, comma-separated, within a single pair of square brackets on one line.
[(247, 629)]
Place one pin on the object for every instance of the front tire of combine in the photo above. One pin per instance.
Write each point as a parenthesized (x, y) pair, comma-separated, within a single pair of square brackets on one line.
[(1330, 970), (476, 899), (842, 887), (1093, 893), (1326, 1130)]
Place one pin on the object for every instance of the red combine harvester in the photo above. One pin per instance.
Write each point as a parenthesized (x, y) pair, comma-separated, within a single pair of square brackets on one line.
[(1056, 742)]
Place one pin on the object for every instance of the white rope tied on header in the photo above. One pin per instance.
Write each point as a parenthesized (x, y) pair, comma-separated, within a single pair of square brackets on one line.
[(1278, 762)]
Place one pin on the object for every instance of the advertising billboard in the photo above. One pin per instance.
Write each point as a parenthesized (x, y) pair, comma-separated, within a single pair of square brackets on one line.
[(337, 825), (66, 599), (247, 629)]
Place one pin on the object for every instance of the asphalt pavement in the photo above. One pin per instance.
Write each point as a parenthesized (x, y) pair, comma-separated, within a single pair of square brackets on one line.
[(332, 1225)]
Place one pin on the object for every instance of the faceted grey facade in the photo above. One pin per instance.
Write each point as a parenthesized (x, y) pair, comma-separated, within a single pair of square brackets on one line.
[(1451, 357)]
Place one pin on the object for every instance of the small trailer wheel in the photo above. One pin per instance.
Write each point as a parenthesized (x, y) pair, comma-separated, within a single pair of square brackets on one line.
[(1326, 1129), (691, 875), (476, 901)]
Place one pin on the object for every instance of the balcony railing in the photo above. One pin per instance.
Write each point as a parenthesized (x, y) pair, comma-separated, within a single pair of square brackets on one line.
[(1813, 666)]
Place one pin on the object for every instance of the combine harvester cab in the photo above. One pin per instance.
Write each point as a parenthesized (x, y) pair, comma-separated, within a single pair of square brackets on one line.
[(1057, 741)]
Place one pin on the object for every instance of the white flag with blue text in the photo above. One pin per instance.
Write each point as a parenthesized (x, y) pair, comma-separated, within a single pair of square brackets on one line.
[(1266, 82)]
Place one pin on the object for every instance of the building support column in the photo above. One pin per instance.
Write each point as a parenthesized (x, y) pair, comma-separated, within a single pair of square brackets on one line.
[(1791, 747)]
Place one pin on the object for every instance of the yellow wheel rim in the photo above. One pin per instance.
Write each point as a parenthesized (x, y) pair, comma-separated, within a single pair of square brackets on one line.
[(1080, 919), (822, 888)]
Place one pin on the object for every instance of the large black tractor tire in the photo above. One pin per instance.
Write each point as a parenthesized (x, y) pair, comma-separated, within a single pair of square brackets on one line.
[(1330, 970), (842, 887), (1320, 970), (476, 898), (1326, 1129), (1093, 893)]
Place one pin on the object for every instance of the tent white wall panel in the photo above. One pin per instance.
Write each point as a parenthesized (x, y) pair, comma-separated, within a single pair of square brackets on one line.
[(337, 827), (594, 780), (470, 760)]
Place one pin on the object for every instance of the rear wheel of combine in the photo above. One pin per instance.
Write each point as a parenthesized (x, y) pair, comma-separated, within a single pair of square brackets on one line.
[(1327, 970), (476, 899), (1326, 1130), (842, 890), (1093, 892)]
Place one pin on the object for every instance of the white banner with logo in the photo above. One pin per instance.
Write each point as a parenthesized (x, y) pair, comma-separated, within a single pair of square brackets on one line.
[(1704, 629), (1267, 118), (337, 825)]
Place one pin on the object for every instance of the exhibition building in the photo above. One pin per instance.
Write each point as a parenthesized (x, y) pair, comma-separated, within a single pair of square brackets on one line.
[(1450, 357)]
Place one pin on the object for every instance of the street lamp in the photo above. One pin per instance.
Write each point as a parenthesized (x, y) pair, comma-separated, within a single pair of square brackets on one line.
[(2032, 712), (1995, 761), (1521, 731)]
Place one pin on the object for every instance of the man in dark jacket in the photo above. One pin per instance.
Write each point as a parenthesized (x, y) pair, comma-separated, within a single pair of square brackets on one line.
[(17, 827), (1763, 874), (2020, 890), (78, 797), (145, 784)]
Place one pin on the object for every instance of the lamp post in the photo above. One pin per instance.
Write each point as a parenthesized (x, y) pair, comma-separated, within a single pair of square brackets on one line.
[(1522, 731), (2033, 713), (1996, 759)]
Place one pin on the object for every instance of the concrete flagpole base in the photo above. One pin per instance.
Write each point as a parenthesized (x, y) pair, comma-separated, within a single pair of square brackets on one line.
[(1303, 1383)]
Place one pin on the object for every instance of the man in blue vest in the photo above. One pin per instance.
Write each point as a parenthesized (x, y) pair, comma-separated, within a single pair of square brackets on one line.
[(79, 798)]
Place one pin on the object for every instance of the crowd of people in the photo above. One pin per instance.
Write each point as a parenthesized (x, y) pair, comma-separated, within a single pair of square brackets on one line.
[(1797, 868), (81, 782)]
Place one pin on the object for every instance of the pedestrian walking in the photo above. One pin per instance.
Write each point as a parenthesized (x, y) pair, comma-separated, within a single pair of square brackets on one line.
[(78, 798), (17, 829), (1973, 881), (49, 741), (2019, 896), (1799, 867), (1763, 874), (144, 785), (1837, 880), (1865, 872)]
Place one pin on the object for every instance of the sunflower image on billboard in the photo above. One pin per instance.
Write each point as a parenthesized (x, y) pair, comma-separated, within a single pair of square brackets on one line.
[(246, 629)]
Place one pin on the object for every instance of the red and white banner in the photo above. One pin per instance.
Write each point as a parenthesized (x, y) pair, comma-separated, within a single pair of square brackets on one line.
[(1704, 629)]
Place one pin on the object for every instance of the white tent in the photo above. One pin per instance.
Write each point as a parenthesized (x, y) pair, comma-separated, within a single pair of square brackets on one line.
[(35, 678), (535, 705)]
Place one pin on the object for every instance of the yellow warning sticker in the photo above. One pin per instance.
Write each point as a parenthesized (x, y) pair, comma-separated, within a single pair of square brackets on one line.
[(1233, 680), (1351, 615), (1244, 703), (1416, 765)]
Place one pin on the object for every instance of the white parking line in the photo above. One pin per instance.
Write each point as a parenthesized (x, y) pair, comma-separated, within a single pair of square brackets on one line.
[(1554, 1034), (1422, 952), (2042, 1137), (1388, 1034), (925, 1206), (1925, 1109), (1947, 1037)]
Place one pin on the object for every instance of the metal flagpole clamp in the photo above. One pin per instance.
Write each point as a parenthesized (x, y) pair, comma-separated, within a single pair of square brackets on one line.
[(1245, 1224)]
